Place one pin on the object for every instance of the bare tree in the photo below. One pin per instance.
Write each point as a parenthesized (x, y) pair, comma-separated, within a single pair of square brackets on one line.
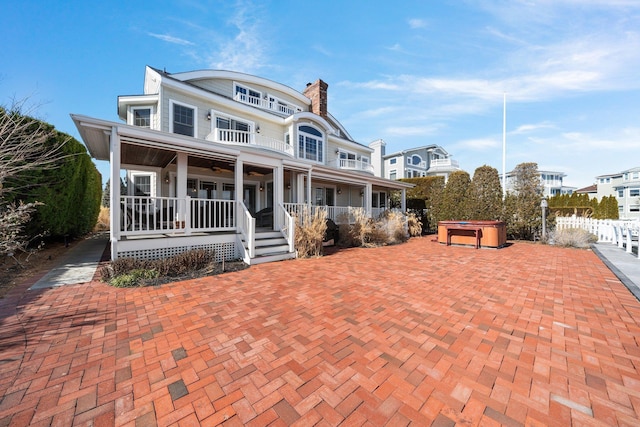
[(27, 145)]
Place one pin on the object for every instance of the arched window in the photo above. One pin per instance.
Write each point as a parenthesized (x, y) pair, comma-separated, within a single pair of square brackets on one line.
[(310, 143)]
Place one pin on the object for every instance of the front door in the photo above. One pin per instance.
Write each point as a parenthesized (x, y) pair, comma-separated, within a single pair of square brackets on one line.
[(249, 198)]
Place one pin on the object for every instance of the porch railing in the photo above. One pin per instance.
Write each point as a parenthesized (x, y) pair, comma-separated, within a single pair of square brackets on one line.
[(623, 233), (338, 214), (230, 136), (144, 215), (288, 226), (247, 227)]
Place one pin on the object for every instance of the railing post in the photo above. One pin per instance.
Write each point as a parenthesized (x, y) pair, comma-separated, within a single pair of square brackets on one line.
[(187, 215)]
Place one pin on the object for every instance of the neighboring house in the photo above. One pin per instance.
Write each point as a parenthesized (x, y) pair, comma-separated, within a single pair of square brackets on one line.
[(591, 191), (221, 160), (551, 182), (430, 160), (625, 186)]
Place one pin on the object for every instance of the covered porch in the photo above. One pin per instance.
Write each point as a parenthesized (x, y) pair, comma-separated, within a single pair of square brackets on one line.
[(184, 193)]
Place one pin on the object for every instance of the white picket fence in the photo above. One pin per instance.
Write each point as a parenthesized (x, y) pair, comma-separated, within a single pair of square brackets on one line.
[(618, 232)]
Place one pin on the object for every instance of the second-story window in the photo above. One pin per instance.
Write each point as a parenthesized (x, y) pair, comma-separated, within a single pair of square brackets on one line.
[(416, 160), (183, 119), (247, 95), (310, 143), (392, 161), (142, 117)]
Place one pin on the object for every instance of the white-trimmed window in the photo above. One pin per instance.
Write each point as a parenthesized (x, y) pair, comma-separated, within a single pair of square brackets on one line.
[(379, 199), (310, 143), (142, 184), (182, 118), (246, 94), (392, 161), (634, 192), (621, 193), (393, 174), (277, 104), (141, 116), (231, 128)]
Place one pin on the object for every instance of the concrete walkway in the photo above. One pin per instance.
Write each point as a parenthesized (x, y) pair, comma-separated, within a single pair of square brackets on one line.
[(624, 265), (78, 265), (418, 333)]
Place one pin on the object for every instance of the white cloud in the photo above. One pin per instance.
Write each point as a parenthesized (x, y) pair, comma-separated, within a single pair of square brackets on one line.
[(417, 23), (245, 52), (410, 130), (322, 50), (170, 39), (530, 128), (479, 144)]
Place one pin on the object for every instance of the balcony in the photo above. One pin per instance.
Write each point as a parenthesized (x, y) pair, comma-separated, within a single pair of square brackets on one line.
[(357, 165), (267, 104), (238, 137), (444, 164)]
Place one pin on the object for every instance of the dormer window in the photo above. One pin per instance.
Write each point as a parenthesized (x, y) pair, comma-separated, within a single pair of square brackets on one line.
[(247, 95), (310, 143), (142, 117)]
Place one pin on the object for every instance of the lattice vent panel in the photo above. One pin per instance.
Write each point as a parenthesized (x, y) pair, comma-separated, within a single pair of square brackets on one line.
[(226, 251)]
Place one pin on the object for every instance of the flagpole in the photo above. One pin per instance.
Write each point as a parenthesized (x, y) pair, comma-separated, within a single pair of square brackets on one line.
[(504, 146)]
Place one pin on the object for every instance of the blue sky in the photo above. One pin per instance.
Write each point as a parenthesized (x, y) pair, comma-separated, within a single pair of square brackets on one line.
[(411, 72)]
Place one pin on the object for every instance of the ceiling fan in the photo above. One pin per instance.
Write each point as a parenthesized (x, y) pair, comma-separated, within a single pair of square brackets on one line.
[(218, 169)]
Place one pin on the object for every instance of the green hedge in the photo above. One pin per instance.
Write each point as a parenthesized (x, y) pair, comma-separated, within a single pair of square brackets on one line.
[(70, 193)]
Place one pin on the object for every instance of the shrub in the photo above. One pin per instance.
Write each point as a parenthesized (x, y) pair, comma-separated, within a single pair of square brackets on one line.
[(310, 232), (361, 230), (127, 272), (392, 228), (104, 220), (365, 232), (133, 278), (572, 237), (414, 224)]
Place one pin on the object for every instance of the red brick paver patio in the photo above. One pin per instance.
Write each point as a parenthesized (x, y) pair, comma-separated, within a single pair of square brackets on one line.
[(418, 334)]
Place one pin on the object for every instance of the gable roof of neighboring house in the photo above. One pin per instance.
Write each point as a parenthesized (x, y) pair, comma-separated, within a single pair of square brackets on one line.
[(586, 190), (415, 149)]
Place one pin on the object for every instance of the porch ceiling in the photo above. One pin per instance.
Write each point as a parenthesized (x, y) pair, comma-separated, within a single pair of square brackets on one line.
[(146, 156)]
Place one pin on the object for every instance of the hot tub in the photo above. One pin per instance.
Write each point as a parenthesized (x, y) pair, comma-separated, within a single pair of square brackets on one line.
[(491, 234)]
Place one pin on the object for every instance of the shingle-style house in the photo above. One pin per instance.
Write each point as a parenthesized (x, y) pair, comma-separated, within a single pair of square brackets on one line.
[(551, 183), (222, 160), (625, 186), (430, 160)]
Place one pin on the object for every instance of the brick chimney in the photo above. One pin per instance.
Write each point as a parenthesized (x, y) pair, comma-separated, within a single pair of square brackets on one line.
[(317, 93)]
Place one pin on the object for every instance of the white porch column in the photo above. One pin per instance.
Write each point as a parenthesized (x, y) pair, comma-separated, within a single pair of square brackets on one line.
[(181, 186), (367, 199), (114, 176), (403, 200), (299, 188), (309, 193), (238, 189), (278, 195)]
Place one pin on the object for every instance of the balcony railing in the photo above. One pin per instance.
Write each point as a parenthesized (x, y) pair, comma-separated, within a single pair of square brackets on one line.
[(229, 136), (267, 104), (351, 164), (444, 163)]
